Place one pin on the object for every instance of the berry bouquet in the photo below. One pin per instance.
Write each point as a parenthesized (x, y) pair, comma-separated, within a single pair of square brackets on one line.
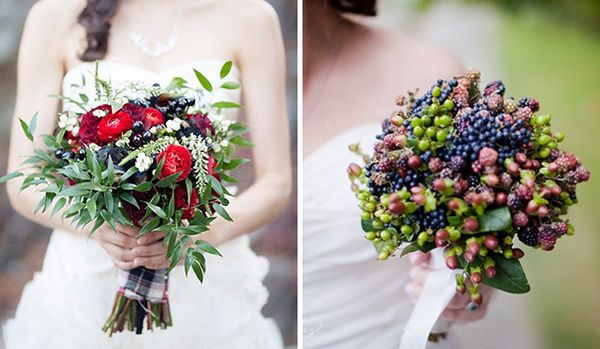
[(157, 161), (467, 172)]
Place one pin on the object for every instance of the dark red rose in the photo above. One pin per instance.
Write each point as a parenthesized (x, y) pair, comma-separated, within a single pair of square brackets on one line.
[(136, 112), (113, 125), (202, 122), (134, 213), (152, 117), (88, 128), (181, 201), (177, 159), (211, 165)]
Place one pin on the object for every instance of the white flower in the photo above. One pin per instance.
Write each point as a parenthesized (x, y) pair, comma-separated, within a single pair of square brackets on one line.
[(174, 125), (63, 120), (216, 148), (224, 143), (122, 142), (153, 130), (93, 147), (75, 131), (143, 162), (99, 113)]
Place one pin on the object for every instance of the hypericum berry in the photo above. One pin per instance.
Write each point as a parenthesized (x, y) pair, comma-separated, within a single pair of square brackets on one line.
[(520, 219), (534, 105), (436, 165), (354, 169), (414, 162), (488, 156), (451, 262), (490, 272), (501, 198), (547, 237), (471, 224), (528, 235), (475, 277), (518, 253), (490, 241), (442, 234), (396, 207)]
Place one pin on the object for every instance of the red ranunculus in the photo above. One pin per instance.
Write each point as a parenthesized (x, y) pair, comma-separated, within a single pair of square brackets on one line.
[(134, 213), (177, 159), (88, 128), (113, 125), (136, 112), (211, 165), (202, 122), (152, 117), (181, 201)]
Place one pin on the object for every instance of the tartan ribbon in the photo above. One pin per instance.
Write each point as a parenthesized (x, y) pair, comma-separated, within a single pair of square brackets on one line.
[(144, 284)]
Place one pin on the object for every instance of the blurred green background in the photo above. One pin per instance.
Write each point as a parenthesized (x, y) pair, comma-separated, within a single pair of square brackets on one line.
[(550, 50)]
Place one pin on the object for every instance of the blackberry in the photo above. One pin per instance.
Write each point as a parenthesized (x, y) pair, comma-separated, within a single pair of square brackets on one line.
[(547, 237), (436, 164), (457, 163), (514, 201), (473, 180), (433, 220), (116, 153), (139, 177), (137, 140), (561, 228), (528, 235)]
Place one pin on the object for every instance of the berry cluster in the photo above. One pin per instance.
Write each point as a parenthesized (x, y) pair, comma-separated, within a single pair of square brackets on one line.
[(467, 170)]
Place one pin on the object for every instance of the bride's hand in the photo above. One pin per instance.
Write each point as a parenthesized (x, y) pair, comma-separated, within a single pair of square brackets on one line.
[(118, 244), (456, 311)]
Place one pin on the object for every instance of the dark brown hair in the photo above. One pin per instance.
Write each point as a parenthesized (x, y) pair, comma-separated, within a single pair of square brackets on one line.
[(95, 18), (361, 7)]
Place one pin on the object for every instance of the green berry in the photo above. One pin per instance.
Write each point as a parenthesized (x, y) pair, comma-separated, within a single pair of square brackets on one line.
[(385, 235), (426, 120), (433, 109), (377, 224), (424, 145), (544, 139), (559, 136), (415, 122), (436, 92), (441, 135), (544, 152), (406, 230), (418, 131), (448, 105), (430, 132), (370, 236), (370, 206), (365, 215), (385, 218), (445, 120)]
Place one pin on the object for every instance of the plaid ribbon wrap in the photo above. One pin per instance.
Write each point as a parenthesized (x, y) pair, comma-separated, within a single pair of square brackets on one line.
[(142, 297)]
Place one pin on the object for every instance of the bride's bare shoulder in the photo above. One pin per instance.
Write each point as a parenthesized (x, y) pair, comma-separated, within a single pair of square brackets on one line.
[(59, 15), (419, 53), (255, 11)]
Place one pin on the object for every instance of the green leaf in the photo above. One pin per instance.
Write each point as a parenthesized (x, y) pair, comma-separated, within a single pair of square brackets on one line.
[(208, 248), (58, 206), (150, 226), (409, 249), (85, 99), (198, 270), (234, 163), (130, 172), (26, 130), (167, 181), (221, 211), (110, 171), (143, 187), (91, 207), (367, 225), (229, 179), (159, 211), (171, 205), (109, 201), (177, 83), (127, 197), (498, 219), (10, 176), (230, 85), (203, 81), (225, 69), (225, 105), (159, 168), (33, 123), (510, 276)]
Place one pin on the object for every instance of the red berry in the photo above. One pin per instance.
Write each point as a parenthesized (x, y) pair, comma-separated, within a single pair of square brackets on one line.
[(513, 168), (488, 156), (476, 298), (419, 199), (490, 272), (556, 190), (543, 211), (553, 167), (532, 207), (461, 289), (469, 256), (501, 198), (442, 234), (414, 162), (492, 180), (440, 243), (475, 277), (396, 207), (452, 262), (490, 242), (454, 204), (395, 197), (471, 224), (439, 185), (521, 158), (354, 169), (518, 253)]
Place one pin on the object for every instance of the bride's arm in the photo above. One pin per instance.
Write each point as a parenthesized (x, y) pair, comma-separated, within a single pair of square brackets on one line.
[(262, 65), (39, 75)]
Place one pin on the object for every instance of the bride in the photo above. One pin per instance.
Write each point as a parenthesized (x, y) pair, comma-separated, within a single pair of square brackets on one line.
[(152, 41)]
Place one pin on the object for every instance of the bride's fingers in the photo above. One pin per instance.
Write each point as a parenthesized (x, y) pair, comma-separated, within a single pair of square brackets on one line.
[(419, 258), (128, 230), (463, 316), (120, 239), (155, 249), (122, 258), (154, 262), (150, 238)]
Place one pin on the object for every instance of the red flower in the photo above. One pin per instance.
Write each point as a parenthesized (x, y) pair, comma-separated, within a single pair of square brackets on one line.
[(113, 125), (136, 112), (211, 165), (134, 213), (88, 129), (202, 122), (152, 117), (181, 201), (177, 159)]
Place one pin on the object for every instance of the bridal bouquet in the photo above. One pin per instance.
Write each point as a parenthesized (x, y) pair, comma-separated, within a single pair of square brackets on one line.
[(157, 161), (468, 172)]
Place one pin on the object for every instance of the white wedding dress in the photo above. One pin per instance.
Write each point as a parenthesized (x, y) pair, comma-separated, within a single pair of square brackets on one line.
[(66, 304), (351, 300)]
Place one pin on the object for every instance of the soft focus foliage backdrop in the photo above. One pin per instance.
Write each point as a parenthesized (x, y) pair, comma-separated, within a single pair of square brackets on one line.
[(550, 50), (23, 244)]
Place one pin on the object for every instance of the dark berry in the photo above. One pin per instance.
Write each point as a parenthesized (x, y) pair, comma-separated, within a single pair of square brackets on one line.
[(138, 127)]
